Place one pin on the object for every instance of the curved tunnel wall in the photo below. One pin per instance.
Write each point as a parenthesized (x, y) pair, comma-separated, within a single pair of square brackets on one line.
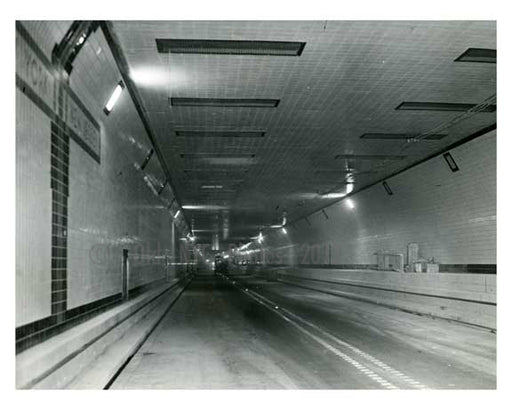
[(451, 215), (110, 203)]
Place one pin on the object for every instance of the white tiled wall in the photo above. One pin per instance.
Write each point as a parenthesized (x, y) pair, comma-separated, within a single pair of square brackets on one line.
[(452, 216), (110, 206), (33, 212)]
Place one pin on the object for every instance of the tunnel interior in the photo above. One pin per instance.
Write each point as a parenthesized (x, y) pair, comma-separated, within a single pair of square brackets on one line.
[(256, 204)]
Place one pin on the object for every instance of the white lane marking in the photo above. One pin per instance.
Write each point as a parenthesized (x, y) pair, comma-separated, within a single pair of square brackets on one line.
[(356, 350), (367, 372), (367, 356)]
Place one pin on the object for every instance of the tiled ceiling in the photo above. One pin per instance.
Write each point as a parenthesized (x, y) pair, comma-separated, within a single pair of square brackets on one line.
[(348, 81)]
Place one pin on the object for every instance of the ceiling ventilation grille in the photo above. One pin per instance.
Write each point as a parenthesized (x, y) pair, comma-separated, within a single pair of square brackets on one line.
[(224, 102), (435, 106), (383, 136), (219, 134), (478, 55), (369, 157), (215, 155), (236, 47)]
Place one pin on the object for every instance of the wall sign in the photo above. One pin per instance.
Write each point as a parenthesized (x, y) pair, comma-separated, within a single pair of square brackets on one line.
[(36, 77)]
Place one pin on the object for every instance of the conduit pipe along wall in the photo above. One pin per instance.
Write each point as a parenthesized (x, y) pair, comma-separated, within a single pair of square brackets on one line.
[(80, 192)]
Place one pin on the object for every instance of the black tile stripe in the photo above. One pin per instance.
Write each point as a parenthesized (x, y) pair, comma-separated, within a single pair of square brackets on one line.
[(60, 191), (40, 330), (36, 332), (443, 268)]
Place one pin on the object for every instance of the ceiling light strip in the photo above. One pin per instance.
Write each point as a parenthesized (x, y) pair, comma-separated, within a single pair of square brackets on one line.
[(388, 136), (219, 134), (366, 157), (441, 106), (233, 47), (478, 55), (224, 102)]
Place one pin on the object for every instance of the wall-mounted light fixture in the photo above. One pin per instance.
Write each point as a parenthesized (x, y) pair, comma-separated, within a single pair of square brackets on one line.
[(113, 98), (451, 162), (146, 160), (387, 188), (162, 187), (350, 203)]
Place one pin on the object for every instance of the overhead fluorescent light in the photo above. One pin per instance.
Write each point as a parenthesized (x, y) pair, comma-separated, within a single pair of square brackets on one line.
[(388, 136), (219, 134), (222, 159), (437, 106), (350, 188), (177, 213), (146, 160), (366, 157), (334, 195), (205, 207), (113, 98), (478, 55), (283, 229), (236, 47), (350, 203), (224, 102), (215, 155), (81, 39)]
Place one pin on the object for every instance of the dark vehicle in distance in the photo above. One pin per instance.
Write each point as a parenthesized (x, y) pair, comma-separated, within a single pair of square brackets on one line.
[(221, 264)]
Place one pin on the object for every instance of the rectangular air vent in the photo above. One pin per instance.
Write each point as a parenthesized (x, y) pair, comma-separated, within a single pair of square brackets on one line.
[(451, 162), (236, 47), (219, 134), (386, 136), (215, 155), (368, 157), (435, 106), (224, 102), (478, 55), (225, 173), (387, 188)]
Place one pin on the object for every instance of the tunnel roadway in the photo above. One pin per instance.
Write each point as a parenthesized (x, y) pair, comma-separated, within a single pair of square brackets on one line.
[(243, 332)]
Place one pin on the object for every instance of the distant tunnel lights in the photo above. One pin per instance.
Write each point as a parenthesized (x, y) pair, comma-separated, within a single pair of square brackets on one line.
[(113, 98)]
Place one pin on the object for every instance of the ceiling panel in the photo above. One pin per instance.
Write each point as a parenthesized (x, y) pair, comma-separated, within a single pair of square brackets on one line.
[(348, 81)]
